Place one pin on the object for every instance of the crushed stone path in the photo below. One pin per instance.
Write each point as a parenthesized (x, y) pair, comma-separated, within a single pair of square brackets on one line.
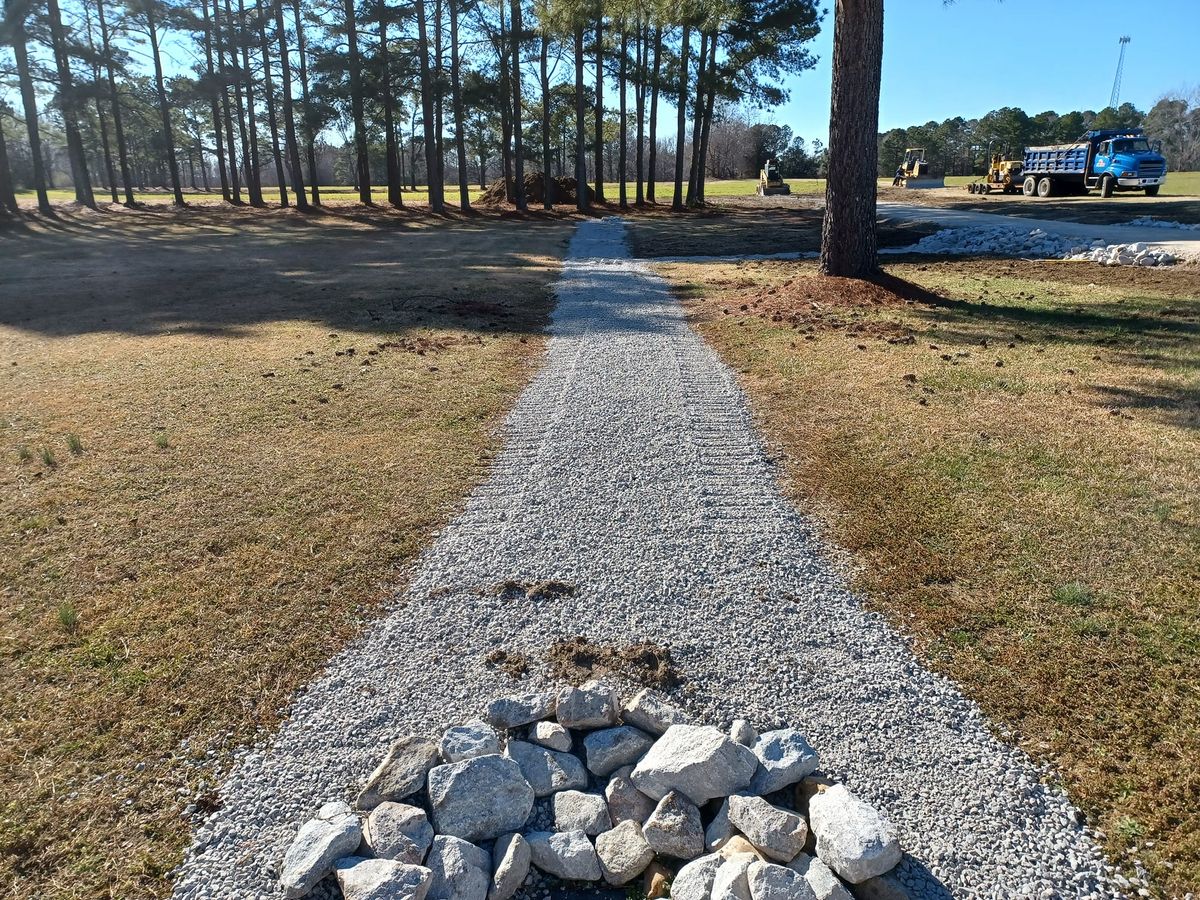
[(632, 470)]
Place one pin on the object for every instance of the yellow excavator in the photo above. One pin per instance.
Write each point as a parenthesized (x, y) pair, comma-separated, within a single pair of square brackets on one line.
[(1003, 175)]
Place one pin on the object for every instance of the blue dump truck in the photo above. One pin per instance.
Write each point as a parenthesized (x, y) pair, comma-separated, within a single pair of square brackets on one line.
[(1120, 160)]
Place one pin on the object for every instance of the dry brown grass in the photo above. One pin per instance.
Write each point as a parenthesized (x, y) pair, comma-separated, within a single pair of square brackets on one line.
[(273, 413), (1012, 452)]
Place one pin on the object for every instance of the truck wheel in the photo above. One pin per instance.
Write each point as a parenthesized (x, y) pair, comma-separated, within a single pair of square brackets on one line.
[(971, 188), (1152, 191), (1106, 186), (1029, 188), (1045, 187)]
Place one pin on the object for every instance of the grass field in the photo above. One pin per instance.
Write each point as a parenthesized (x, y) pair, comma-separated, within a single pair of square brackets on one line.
[(223, 434), (1011, 451)]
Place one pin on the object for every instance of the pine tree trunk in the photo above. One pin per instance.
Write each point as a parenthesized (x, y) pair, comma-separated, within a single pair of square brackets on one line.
[(506, 161), (544, 76), (681, 118), (8, 194), (254, 176), (66, 92), (639, 106), (599, 150), (289, 111), (362, 166), (310, 137), (214, 106), (269, 95), (394, 192), (652, 162), (438, 82), (435, 200), (226, 107), (709, 103), (239, 106), (518, 143), (848, 240), (114, 98), (581, 197), (623, 131), (460, 117), (697, 114), (164, 105), (29, 107)]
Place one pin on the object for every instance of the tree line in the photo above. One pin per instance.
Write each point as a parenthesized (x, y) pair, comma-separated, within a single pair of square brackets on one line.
[(959, 146), (417, 89)]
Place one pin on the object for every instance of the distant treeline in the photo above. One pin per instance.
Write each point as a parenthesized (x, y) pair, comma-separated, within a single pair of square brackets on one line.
[(961, 146)]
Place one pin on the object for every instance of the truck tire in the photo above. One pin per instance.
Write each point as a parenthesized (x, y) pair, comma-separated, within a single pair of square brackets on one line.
[(1045, 187), (1106, 186), (971, 188), (1152, 191), (1029, 188)]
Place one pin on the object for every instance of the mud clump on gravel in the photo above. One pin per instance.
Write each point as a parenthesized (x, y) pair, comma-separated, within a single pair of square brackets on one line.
[(511, 662), (577, 660)]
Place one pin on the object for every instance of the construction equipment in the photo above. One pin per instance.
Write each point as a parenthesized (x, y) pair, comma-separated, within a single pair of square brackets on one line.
[(771, 183), (1111, 160), (1003, 175), (914, 171)]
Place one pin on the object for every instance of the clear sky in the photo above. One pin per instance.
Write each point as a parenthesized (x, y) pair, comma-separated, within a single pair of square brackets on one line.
[(973, 56)]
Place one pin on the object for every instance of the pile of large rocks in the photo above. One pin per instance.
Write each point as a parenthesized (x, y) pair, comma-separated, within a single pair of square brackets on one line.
[(1036, 244), (584, 788)]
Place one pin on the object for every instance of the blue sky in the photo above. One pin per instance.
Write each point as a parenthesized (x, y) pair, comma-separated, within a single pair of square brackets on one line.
[(941, 61)]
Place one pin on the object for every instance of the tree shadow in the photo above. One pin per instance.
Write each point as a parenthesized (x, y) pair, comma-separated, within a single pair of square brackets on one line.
[(222, 271)]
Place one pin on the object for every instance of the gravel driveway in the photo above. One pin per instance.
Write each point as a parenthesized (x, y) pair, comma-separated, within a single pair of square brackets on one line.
[(632, 471)]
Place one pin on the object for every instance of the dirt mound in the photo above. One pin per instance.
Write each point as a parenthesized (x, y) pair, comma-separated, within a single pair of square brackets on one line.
[(565, 191), (578, 659)]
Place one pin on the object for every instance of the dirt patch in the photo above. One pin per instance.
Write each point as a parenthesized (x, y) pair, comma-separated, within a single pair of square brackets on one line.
[(512, 663), (577, 659), (1091, 210)]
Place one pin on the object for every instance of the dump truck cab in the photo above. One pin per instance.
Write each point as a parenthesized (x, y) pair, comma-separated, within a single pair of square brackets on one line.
[(1129, 162)]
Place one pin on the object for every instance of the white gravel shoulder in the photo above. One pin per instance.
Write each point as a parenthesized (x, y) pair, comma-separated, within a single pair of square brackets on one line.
[(632, 470)]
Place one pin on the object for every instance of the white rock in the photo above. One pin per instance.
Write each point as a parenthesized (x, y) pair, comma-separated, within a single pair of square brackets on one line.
[(591, 705), (784, 758), (731, 881), (336, 832), (623, 853), (398, 831), (402, 772), (768, 881), (697, 760), (476, 738), (742, 732), (820, 878), (577, 811), (521, 709), (611, 748), (551, 735), (652, 712), (853, 839), (510, 865), (626, 802), (461, 871), (779, 834), (381, 879), (675, 828), (695, 880), (479, 799), (567, 854), (546, 770)]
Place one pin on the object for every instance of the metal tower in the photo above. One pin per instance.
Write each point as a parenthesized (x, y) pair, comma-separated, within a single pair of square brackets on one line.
[(1116, 91)]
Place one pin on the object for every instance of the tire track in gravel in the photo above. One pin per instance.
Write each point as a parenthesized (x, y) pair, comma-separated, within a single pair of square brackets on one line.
[(632, 470)]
